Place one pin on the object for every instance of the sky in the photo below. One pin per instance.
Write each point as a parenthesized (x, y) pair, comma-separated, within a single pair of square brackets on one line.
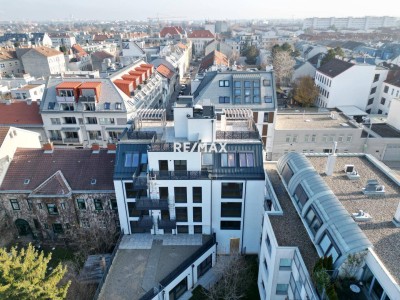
[(39, 10)]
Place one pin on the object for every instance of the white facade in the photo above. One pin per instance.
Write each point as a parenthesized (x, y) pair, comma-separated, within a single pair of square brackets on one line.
[(351, 87), (38, 64), (387, 95), (377, 103), (363, 23), (30, 91), (394, 113), (11, 66)]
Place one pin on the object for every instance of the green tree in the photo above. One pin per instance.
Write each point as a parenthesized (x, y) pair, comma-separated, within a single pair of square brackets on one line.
[(305, 91), (331, 54), (252, 54), (24, 275), (63, 49), (17, 44)]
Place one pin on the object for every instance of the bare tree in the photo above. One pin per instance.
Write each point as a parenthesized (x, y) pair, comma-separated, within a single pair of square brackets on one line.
[(283, 64), (234, 279), (305, 91), (234, 57)]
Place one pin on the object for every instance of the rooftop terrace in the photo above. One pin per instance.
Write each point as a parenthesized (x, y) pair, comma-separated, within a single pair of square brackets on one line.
[(381, 232), (312, 121)]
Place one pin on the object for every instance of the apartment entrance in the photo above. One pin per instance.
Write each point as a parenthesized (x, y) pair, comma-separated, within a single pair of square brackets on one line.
[(23, 227)]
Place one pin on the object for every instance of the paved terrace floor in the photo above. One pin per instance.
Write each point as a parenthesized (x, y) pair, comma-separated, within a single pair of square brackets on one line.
[(143, 260), (381, 231), (289, 229)]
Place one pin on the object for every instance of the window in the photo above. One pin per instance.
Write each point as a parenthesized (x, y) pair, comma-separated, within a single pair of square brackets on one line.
[(91, 120), (376, 77), (81, 204), (231, 210), (57, 228), (228, 159), (95, 135), (340, 138), (256, 92), (230, 225), (181, 214), (29, 202), (67, 106), (55, 121), (246, 159), (238, 92), (129, 190), (98, 205), (349, 138), (246, 99), (207, 159), (313, 138), (231, 190), (324, 138), (51, 105), (383, 100), (14, 204), (247, 84), (52, 209), (113, 204), (224, 83), (198, 229), (300, 195), (224, 99), (69, 120), (282, 289), (326, 246), (107, 105), (268, 243), (288, 138), (183, 228), (118, 106), (256, 84), (106, 121), (373, 90), (285, 264), (294, 138), (238, 100), (131, 159), (266, 82), (380, 111), (197, 194), (180, 194), (287, 173), (197, 214), (238, 84), (386, 89), (180, 165), (268, 99), (89, 107), (256, 99)]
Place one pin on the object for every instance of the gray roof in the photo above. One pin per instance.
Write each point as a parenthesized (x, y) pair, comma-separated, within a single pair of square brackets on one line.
[(122, 172), (209, 76), (335, 67), (347, 235)]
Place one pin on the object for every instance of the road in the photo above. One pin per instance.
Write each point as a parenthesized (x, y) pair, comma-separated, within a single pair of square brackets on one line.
[(174, 97)]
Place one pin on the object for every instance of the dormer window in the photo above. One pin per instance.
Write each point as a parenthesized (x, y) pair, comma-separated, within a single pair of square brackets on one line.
[(118, 106), (107, 105), (51, 105), (66, 93), (93, 181), (26, 181)]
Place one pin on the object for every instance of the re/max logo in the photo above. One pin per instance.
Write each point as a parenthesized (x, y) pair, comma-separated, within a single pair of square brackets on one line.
[(199, 147)]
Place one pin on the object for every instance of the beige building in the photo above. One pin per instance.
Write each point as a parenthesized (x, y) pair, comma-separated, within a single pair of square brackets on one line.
[(43, 61)]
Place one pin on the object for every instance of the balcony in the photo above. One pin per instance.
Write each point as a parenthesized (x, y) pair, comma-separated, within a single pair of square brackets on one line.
[(151, 204), (166, 224), (87, 99), (237, 135), (179, 175), (63, 99), (72, 140), (145, 222)]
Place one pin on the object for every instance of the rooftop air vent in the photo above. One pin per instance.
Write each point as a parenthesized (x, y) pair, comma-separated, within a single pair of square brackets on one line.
[(93, 181), (26, 181)]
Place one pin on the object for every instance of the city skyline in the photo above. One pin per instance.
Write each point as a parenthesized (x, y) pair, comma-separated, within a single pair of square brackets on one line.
[(186, 10)]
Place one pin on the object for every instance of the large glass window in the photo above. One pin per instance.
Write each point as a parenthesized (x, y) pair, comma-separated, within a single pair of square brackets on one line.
[(231, 190), (300, 195), (328, 248), (180, 194), (131, 159), (287, 173), (181, 214), (282, 289), (238, 84), (285, 264), (129, 190), (197, 214), (246, 159), (228, 159), (180, 165), (231, 209), (197, 194), (230, 225)]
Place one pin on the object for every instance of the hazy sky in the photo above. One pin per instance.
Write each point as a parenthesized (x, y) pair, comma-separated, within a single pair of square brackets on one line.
[(192, 9)]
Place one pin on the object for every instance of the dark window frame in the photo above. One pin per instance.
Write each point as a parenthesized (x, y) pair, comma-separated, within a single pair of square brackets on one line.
[(52, 209), (231, 190), (180, 193), (197, 193), (231, 209), (98, 204), (230, 225), (81, 203)]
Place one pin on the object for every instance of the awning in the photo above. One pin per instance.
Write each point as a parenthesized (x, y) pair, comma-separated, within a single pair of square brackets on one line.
[(351, 110)]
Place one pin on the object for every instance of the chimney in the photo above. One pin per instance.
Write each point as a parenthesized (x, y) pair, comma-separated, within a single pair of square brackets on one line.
[(330, 164), (48, 147), (396, 219), (111, 148), (95, 148)]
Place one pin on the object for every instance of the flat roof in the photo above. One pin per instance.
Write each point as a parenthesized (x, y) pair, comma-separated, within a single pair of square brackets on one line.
[(29, 87), (381, 232), (289, 229), (351, 110), (385, 130), (143, 260), (301, 121)]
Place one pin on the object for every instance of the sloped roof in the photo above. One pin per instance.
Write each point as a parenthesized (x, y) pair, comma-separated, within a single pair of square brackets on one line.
[(3, 134), (351, 45), (78, 50), (335, 67), (213, 58), (393, 78), (54, 186), (195, 34), (78, 166), (7, 54), (20, 113), (102, 55), (163, 70), (45, 51), (208, 77), (171, 30)]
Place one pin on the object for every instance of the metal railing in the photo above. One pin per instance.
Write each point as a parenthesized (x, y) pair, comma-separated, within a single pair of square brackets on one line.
[(141, 135), (181, 268), (166, 224), (237, 135), (145, 222), (103, 278), (179, 175), (150, 204)]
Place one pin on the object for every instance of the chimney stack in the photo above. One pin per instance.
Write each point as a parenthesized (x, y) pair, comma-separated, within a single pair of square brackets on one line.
[(330, 164), (95, 148), (48, 147), (111, 148)]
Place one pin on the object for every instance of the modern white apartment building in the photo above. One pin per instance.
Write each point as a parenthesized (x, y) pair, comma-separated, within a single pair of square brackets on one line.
[(389, 90), (82, 111), (193, 176), (363, 23), (239, 91)]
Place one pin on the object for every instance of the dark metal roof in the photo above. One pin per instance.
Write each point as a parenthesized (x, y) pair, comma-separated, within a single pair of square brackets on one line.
[(208, 77), (122, 172), (336, 220), (385, 130), (334, 67)]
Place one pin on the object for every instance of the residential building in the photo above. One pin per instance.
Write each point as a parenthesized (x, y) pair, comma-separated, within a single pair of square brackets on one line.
[(163, 188), (169, 79), (27, 39), (32, 92), (43, 61), (83, 111), (172, 32), (77, 59), (389, 90), (131, 51), (335, 81), (237, 90), (62, 39), (307, 68), (179, 56), (222, 47), (362, 23), (60, 193), (10, 65), (101, 58), (24, 115), (214, 61), (200, 39)]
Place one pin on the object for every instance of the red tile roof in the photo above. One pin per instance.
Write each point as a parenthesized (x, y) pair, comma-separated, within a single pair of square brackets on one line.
[(68, 85), (100, 37), (213, 58), (102, 55), (3, 134), (200, 34), (20, 113), (56, 184), (171, 30), (78, 50), (79, 167), (182, 46), (163, 70), (90, 85)]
